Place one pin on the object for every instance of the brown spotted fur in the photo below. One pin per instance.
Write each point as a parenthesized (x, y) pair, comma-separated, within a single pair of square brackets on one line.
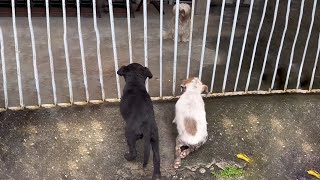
[(191, 126)]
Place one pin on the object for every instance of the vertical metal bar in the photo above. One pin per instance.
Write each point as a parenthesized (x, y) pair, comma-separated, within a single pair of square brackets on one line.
[(230, 46), (307, 42), (145, 35), (66, 51), (190, 40), (281, 44), (161, 40), (255, 45), (268, 45), (294, 45), (4, 74), (129, 30), (84, 71), (50, 54), (244, 45), (96, 29), (315, 65), (114, 45), (175, 55), (204, 38), (16, 45), (217, 46), (34, 53)]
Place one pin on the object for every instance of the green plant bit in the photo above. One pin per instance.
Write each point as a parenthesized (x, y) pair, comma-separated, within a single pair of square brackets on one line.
[(228, 172)]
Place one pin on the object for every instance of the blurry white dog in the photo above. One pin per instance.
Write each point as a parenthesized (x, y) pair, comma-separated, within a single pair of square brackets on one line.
[(184, 23), (190, 119)]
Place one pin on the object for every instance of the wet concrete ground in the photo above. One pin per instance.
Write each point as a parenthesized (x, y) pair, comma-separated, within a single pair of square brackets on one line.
[(89, 39), (280, 133)]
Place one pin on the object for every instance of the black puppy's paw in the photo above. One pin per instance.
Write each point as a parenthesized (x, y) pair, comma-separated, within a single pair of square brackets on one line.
[(156, 177), (129, 157)]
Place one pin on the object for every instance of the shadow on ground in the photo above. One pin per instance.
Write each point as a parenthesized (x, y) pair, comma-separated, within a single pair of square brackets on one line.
[(280, 133)]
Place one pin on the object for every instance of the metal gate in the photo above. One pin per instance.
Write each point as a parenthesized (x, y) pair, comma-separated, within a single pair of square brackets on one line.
[(257, 41)]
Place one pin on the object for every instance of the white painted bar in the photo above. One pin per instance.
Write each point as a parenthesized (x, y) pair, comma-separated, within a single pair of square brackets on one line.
[(256, 44), (281, 44), (175, 55), (66, 51), (114, 45), (34, 53), (307, 42), (4, 73), (294, 45), (53, 82), (164, 98), (145, 37), (268, 45), (129, 30), (83, 61), (96, 29), (234, 24), (161, 44), (244, 45), (17, 51), (217, 46), (204, 37), (315, 65), (190, 40)]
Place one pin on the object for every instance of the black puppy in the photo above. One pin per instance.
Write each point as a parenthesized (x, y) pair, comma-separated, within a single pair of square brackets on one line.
[(137, 110)]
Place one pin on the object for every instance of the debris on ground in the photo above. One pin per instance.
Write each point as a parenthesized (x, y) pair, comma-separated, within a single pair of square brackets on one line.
[(314, 173), (223, 164), (202, 170), (244, 157)]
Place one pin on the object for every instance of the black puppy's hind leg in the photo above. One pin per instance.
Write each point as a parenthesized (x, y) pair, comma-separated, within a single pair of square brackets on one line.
[(156, 156), (147, 140), (131, 141)]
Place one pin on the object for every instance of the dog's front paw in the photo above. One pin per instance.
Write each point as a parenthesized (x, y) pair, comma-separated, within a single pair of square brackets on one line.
[(184, 153), (177, 163), (129, 157), (145, 165), (156, 177)]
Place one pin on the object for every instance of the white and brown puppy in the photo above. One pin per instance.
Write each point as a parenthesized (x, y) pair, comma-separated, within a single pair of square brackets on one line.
[(190, 119), (184, 24)]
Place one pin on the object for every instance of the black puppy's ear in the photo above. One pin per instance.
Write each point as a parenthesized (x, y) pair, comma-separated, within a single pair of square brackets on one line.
[(148, 73), (122, 71)]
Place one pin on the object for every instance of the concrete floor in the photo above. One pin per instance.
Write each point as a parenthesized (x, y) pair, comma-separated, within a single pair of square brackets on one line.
[(39, 23), (279, 133)]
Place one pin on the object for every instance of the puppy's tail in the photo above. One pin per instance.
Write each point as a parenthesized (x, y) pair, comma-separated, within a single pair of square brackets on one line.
[(156, 154), (153, 140)]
